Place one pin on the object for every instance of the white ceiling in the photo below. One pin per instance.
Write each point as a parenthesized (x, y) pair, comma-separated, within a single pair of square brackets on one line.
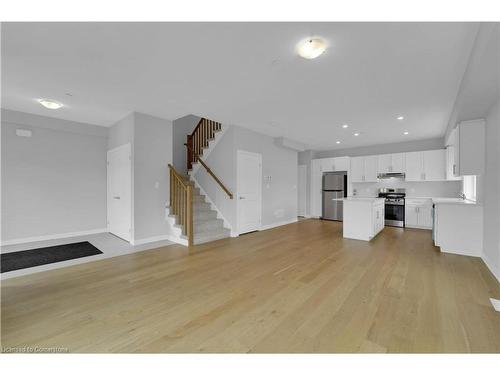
[(246, 74)]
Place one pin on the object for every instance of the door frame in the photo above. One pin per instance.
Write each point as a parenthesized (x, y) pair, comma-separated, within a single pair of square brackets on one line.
[(238, 174), (127, 146), (302, 169)]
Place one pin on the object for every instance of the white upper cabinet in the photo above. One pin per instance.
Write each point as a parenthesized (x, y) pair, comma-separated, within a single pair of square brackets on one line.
[(391, 163), (364, 168), (371, 166), (426, 165), (334, 164), (398, 163), (414, 166), (434, 165), (357, 169), (384, 163), (468, 141)]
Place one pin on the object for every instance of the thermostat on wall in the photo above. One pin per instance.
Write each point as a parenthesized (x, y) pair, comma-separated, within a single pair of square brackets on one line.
[(23, 133)]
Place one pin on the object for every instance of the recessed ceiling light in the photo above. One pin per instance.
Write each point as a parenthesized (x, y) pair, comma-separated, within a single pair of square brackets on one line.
[(345, 126), (50, 104), (356, 134), (338, 142), (406, 133), (401, 118), (311, 48)]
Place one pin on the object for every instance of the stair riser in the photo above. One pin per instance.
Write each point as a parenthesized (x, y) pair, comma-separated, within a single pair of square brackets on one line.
[(208, 226)]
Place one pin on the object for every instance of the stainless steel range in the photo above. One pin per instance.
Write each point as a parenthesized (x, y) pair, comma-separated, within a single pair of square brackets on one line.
[(394, 206)]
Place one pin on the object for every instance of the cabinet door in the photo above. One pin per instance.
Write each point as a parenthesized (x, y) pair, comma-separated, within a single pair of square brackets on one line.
[(341, 163), (327, 165), (316, 181), (434, 162), (357, 169), (425, 216), (411, 215), (414, 166), (385, 163), (398, 163), (371, 163)]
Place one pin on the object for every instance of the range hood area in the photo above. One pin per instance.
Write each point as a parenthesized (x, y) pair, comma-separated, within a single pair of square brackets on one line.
[(385, 176)]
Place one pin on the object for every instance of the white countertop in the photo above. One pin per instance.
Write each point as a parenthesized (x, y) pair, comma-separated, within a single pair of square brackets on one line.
[(453, 201), (364, 199)]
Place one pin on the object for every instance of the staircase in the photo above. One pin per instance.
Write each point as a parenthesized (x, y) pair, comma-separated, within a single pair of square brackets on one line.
[(195, 220), (206, 226)]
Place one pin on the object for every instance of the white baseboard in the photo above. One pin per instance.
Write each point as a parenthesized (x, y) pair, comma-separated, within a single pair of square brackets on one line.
[(143, 241), (278, 224), (494, 270), (53, 236)]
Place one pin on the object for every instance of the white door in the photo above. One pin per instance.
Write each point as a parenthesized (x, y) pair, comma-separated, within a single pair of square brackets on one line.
[(249, 191), (357, 169), (316, 188), (301, 190), (120, 192), (434, 165), (414, 167), (371, 163)]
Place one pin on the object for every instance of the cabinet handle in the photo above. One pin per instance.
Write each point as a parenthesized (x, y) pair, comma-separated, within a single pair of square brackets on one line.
[(454, 166)]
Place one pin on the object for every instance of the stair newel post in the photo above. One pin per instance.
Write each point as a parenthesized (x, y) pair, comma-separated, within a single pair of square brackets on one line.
[(189, 216), (189, 151)]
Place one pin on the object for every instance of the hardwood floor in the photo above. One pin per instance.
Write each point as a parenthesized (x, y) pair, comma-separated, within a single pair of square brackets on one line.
[(296, 288)]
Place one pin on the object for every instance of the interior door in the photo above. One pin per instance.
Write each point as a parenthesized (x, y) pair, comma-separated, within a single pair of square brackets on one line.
[(249, 191), (301, 190), (119, 195)]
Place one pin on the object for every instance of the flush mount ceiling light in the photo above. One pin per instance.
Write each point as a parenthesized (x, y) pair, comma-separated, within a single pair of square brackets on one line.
[(338, 142), (345, 126), (356, 134), (406, 133), (311, 48), (400, 118), (50, 104)]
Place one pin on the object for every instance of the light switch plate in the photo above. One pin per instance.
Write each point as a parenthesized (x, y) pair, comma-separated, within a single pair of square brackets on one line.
[(23, 133)]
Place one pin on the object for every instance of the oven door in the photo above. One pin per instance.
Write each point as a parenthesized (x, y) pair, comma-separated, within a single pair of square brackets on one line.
[(394, 215)]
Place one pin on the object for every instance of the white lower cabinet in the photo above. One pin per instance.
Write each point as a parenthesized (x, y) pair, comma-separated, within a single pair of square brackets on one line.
[(418, 213), (363, 218)]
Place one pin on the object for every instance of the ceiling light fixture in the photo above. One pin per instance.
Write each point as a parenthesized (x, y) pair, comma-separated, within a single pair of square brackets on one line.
[(50, 104), (406, 133), (311, 48), (338, 142), (401, 118), (345, 126), (356, 134)]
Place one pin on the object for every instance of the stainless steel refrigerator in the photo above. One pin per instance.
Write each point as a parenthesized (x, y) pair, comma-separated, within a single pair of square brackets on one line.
[(334, 191)]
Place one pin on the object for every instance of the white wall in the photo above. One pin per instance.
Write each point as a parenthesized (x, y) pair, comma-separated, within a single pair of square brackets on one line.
[(53, 182), (279, 197), (152, 154), (181, 128), (491, 191), (151, 140)]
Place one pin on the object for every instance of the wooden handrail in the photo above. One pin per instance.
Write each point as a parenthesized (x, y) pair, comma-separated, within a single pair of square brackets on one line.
[(181, 203), (226, 190)]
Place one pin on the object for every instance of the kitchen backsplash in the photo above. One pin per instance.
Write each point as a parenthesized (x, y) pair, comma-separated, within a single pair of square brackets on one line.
[(413, 189)]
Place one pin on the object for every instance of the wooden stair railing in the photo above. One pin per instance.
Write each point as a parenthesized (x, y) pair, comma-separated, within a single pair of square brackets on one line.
[(209, 171), (199, 139), (181, 203)]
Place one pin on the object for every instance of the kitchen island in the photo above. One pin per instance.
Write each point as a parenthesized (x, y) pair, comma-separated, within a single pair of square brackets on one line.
[(363, 217)]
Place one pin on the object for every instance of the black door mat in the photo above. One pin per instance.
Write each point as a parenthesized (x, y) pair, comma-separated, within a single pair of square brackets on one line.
[(18, 260)]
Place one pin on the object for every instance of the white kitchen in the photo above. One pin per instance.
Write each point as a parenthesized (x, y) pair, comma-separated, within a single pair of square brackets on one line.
[(436, 189)]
